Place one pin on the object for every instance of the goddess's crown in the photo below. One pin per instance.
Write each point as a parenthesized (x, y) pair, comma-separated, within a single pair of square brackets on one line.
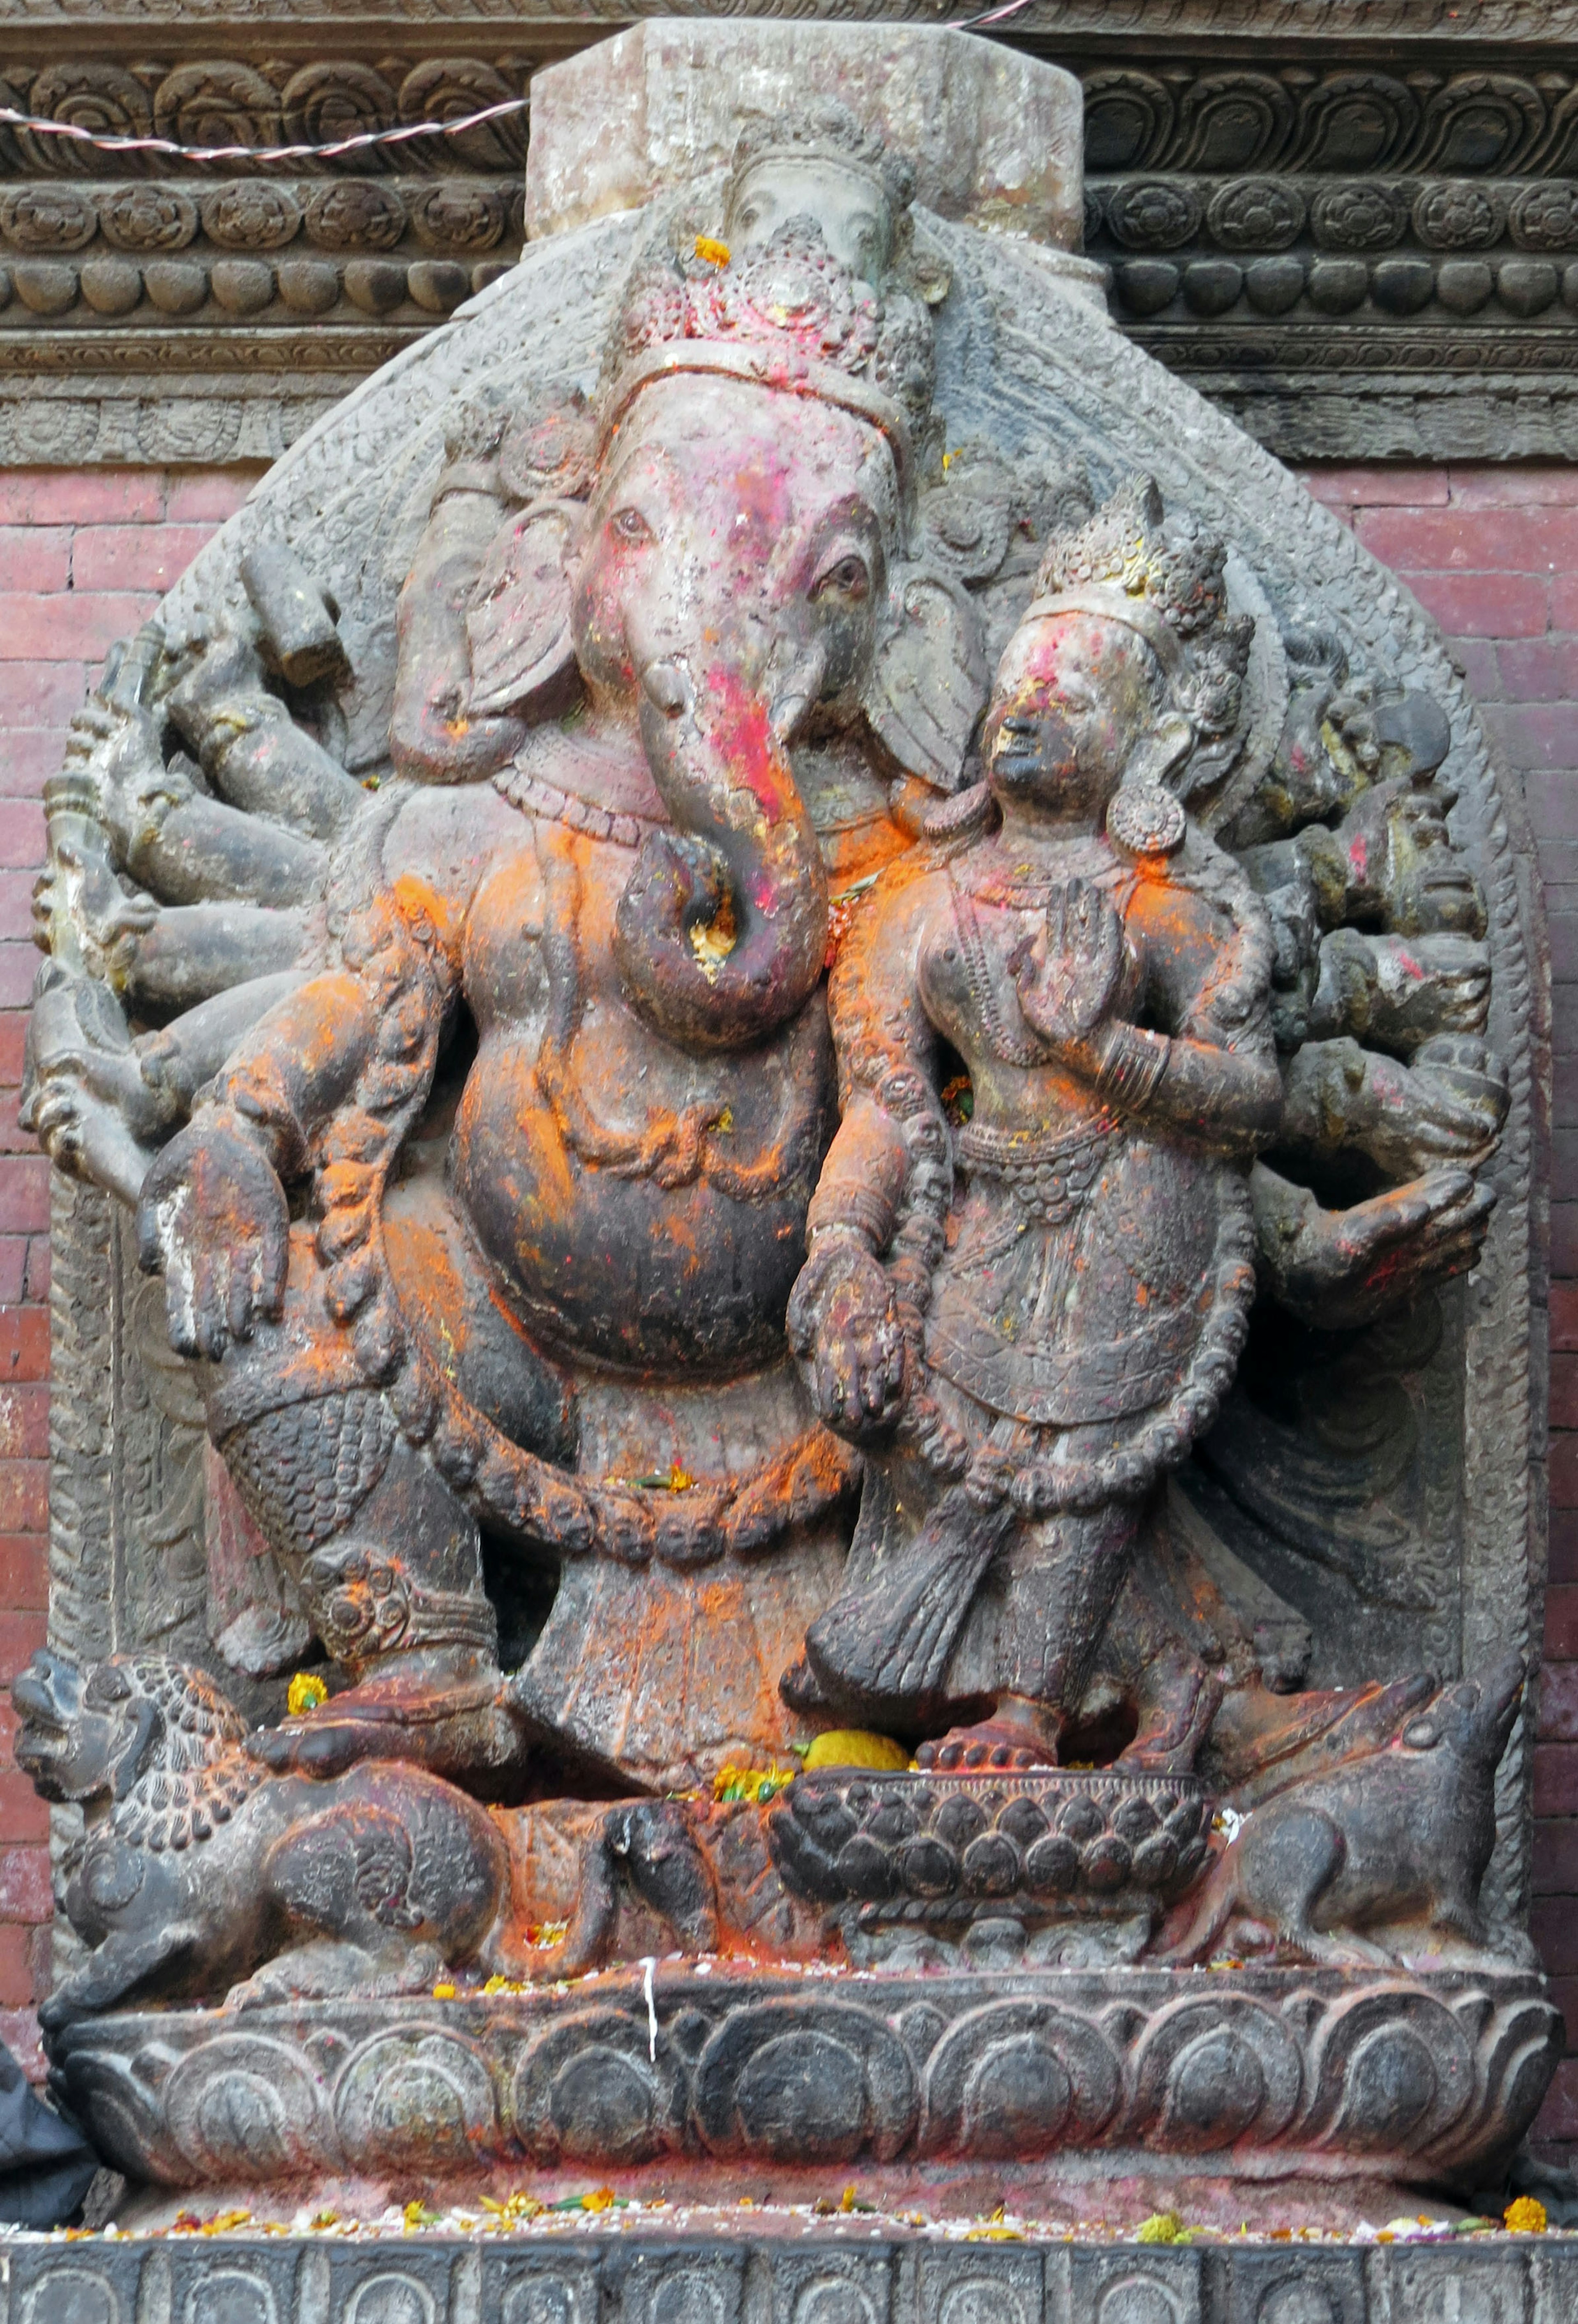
[(1165, 577)]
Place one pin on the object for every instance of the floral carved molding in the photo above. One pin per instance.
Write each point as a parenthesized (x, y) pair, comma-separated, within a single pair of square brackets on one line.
[(1362, 240)]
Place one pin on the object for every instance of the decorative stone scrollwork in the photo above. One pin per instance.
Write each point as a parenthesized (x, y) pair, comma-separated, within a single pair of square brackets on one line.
[(448, 91), (1156, 213), (219, 104), (355, 213), (47, 217), (1358, 218), (147, 218), (460, 214), (325, 102), (104, 99), (597, 2087), (1256, 214), (1459, 215)]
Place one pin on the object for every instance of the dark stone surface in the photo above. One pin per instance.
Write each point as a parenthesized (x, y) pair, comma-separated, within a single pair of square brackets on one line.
[(646, 2278)]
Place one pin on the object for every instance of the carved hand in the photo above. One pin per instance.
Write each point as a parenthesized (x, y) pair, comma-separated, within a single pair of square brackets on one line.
[(213, 1220), (1068, 977), (1337, 1270), (1400, 991), (1447, 1107), (841, 1323)]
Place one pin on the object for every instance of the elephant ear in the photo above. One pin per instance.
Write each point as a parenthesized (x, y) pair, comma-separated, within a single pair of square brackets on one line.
[(929, 681), (518, 621)]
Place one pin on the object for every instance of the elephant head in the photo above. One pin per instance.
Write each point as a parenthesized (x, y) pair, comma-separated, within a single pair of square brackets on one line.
[(738, 575)]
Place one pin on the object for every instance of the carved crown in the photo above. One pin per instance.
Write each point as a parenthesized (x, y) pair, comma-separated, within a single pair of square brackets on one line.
[(1165, 577)]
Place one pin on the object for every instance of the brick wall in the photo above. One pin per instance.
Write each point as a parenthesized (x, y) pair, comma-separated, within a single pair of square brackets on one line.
[(83, 558), (1492, 553)]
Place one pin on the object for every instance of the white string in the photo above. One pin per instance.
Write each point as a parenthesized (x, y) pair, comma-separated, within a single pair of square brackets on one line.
[(358, 143)]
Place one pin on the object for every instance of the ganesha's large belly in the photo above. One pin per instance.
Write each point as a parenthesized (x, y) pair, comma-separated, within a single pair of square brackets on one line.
[(601, 1258)]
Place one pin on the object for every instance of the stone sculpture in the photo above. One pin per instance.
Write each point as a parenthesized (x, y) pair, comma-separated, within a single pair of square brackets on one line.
[(808, 1067)]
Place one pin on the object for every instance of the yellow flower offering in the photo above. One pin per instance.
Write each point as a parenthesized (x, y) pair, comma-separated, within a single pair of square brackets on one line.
[(598, 2198), (443, 1993), (852, 1746), (1161, 2227), (712, 251), (306, 1692), (1524, 2217)]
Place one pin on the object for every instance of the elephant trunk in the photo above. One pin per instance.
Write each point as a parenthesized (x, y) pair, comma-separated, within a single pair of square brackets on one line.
[(722, 932)]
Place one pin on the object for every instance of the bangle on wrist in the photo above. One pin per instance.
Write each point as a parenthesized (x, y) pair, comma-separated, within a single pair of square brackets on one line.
[(1132, 1062)]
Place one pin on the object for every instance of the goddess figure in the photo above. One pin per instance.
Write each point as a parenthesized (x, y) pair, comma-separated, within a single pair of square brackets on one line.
[(1048, 1299)]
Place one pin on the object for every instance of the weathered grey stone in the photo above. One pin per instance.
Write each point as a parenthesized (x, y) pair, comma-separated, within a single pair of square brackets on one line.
[(994, 137)]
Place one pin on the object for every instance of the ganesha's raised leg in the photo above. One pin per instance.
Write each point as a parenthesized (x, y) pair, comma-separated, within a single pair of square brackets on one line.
[(387, 1560), (1033, 1634)]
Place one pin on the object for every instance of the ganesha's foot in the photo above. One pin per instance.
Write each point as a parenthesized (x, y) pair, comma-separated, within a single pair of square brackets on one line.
[(1017, 1737), (1178, 1700), (446, 1712)]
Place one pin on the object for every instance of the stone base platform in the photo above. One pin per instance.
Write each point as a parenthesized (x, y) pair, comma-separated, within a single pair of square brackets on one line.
[(733, 2277), (933, 2086)]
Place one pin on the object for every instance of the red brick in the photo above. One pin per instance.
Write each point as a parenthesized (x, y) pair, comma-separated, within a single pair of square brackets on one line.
[(1479, 660), (24, 1194), (24, 1421), (13, 1041), (18, 2029), (29, 756), (1495, 487), (1471, 541), (1564, 602), (1555, 1861), (1565, 1080), (1359, 487), (40, 693), (25, 1893), (1485, 604), (1562, 1622), (1563, 1315), (80, 627), (17, 904), (35, 556), (1553, 1923), (1535, 733), (25, 1496), (24, 1343), (1558, 1691), (210, 494), (15, 1967), (23, 1633), (1563, 1472), (1564, 1391), (1555, 1779), (24, 1818), (1553, 803), (19, 965), (13, 1249), (134, 556), (81, 496), (25, 1572), (22, 835), (1539, 669), (36, 1275)]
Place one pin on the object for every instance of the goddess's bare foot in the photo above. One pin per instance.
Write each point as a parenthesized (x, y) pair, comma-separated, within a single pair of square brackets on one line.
[(1001, 1743)]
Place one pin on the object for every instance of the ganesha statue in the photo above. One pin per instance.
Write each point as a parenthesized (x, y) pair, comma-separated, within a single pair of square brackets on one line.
[(821, 1042)]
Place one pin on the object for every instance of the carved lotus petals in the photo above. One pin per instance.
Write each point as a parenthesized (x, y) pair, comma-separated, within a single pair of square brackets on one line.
[(460, 214), (1358, 218), (1256, 214), (590, 2088), (448, 90), (102, 99), (217, 105), (147, 218), (251, 214), (326, 102), (1546, 217), (422, 2097), (47, 217), (245, 2102), (807, 2082), (1018, 2077), (1154, 215), (355, 213), (1208, 2072)]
